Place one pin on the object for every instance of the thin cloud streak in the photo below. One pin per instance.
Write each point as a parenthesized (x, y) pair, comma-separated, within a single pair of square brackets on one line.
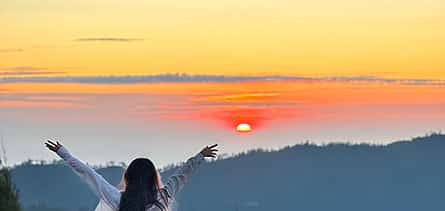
[(27, 71), (108, 39), (159, 78), (11, 50), (43, 101)]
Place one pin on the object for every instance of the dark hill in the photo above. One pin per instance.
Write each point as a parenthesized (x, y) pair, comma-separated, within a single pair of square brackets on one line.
[(406, 175)]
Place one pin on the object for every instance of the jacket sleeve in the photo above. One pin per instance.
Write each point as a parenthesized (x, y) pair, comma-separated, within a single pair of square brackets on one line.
[(104, 190), (176, 182)]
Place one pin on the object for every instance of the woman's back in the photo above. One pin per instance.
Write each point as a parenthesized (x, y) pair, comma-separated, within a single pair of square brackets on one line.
[(110, 196)]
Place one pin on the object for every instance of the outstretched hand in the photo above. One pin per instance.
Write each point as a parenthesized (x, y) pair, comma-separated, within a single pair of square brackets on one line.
[(209, 151), (53, 146)]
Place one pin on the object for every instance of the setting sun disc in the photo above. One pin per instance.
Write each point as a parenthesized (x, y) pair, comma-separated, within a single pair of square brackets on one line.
[(243, 127)]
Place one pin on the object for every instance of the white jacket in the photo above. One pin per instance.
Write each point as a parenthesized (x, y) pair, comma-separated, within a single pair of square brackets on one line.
[(109, 196)]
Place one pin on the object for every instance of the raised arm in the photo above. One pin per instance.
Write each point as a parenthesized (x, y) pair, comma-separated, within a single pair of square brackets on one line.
[(104, 190), (176, 182)]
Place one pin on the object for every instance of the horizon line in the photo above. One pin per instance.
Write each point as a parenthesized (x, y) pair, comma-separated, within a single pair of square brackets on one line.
[(234, 155)]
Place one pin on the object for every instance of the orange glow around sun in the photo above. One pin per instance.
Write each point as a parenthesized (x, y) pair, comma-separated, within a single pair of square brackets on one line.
[(226, 105), (243, 127)]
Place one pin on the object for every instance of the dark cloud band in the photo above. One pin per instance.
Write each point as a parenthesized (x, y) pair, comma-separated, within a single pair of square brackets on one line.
[(203, 78)]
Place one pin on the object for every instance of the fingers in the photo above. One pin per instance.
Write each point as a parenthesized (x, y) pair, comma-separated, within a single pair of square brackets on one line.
[(210, 151), (212, 155), (213, 146), (52, 143), (52, 146)]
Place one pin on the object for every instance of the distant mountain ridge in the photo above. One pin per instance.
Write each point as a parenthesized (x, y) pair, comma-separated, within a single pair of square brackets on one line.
[(405, 175)]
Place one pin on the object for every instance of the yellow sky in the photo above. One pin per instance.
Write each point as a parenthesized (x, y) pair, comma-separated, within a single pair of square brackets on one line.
[(389, 38)]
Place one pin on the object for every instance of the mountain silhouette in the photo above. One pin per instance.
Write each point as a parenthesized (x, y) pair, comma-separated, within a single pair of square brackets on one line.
[(405, 175)]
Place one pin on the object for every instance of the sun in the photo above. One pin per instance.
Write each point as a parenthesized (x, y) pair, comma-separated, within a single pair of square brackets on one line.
[(243, 127)]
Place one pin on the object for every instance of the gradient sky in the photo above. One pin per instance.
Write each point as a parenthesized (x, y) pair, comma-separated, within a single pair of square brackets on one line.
[(386, 38), (374, 71), (168, 121)]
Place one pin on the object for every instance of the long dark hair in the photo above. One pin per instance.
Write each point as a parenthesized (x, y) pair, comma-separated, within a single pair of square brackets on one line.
[(142, 187)]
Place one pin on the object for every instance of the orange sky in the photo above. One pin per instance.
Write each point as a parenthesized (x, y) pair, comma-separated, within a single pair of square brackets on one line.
[(141, 117), (400, 38), (255, 102)]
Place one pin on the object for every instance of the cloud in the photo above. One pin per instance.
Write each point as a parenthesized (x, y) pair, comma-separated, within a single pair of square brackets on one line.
[(108, 39), (43, 100), (182, 77), (11, 50), (136, 79), (251, 97), (26, 71)]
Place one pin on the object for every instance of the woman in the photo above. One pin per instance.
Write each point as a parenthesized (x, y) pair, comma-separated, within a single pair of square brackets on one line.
[(142, 188)]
